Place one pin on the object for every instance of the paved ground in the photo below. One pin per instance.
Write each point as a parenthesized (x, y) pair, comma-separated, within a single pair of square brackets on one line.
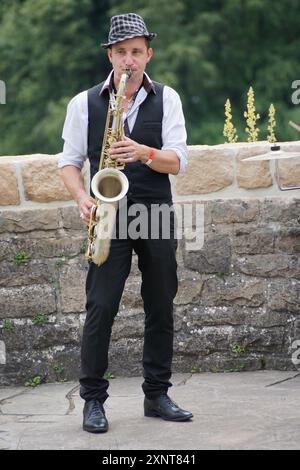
[(245, 410)]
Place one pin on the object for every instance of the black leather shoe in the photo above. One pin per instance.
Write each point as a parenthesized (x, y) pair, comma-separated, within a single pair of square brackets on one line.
[(165, 408), (94, 419)]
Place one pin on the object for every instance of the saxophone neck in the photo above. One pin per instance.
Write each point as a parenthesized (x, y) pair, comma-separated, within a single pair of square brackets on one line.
[(121, 88)]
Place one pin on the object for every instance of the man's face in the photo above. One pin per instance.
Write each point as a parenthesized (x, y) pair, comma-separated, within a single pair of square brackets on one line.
[(133, 54)]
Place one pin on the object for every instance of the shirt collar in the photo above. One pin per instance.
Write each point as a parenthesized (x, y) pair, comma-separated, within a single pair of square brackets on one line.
[(147, 84)]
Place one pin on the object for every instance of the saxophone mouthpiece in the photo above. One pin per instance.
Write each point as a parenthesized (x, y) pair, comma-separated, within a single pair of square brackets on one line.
[(129, 72)]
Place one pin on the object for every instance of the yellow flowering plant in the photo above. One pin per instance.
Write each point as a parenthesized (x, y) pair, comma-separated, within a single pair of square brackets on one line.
[(229, 131), (272, 124), (251, 117)]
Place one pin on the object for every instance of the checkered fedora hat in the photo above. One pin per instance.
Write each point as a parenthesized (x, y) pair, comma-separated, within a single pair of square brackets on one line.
[(127, 26)]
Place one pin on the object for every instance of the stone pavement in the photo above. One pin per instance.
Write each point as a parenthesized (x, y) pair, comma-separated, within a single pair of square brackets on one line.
[(243, 410)]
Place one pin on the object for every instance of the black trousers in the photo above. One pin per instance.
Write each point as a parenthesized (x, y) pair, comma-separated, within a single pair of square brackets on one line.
[(104, 288)]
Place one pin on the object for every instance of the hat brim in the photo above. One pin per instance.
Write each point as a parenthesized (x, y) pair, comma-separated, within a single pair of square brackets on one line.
[(149, 36)]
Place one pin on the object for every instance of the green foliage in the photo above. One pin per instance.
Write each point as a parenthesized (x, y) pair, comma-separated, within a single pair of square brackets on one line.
[(206, 50), (238, 349), (195, 370), (21, 257), (40, 319), (49, 52), (109, 375), (8, 325), (34, 382), (59, 371)]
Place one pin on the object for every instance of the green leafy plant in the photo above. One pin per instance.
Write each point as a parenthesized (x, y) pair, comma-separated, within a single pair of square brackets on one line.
[(109, 375), (21, 257), (59, 370), (8, 325), (238, 349), (40, 319), (195, 370), (34, 382)]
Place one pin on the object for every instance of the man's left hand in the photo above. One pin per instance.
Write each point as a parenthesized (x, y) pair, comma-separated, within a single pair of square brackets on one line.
[(128, 151)]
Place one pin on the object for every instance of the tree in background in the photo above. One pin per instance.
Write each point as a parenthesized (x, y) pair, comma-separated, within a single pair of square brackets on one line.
[(49, 52), (207, 50)]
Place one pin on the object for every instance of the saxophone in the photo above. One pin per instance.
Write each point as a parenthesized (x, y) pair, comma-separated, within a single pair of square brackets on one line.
[(109, 184)]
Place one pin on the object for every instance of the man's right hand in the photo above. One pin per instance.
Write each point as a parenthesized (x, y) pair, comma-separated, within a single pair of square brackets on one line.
[(85, 203)]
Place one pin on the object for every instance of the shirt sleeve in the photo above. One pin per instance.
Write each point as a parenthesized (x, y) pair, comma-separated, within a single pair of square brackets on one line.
[(75, 132), (173, 127)]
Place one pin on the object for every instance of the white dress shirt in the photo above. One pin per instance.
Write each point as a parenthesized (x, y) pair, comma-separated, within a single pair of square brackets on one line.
[(75, 130)]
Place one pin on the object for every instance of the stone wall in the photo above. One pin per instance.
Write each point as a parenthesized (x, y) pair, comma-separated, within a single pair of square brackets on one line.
[(237, 306)]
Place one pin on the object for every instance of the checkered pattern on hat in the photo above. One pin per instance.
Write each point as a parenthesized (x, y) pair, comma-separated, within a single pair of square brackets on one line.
[(127, 26)]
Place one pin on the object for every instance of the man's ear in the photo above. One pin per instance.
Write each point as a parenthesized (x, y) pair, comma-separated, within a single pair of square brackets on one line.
[(150, 54), (109, 54)]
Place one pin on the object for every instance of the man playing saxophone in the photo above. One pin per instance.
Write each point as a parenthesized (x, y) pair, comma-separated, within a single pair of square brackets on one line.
[(154, 146)]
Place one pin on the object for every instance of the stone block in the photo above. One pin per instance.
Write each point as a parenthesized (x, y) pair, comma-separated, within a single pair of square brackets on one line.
[(58, 249), (42, 182), (71, 219), (284, 295), (28, 220), (232, 315), (214, 257), (61, 247), (210, 169), (33, 336), (31, 272), (9, 185), (189, 291), (268, 265), (288, 172), (282, 210), (251, 174), (252, 240), (234, 211), (72, 276), (119, 354), (27, 301), (21, 366), (131, 297), (233, 290), (258, 339), (7, 251), (129, 323), (288, 240)]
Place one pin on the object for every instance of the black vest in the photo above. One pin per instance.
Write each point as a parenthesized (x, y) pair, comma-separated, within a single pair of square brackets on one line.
[(145, 185)]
